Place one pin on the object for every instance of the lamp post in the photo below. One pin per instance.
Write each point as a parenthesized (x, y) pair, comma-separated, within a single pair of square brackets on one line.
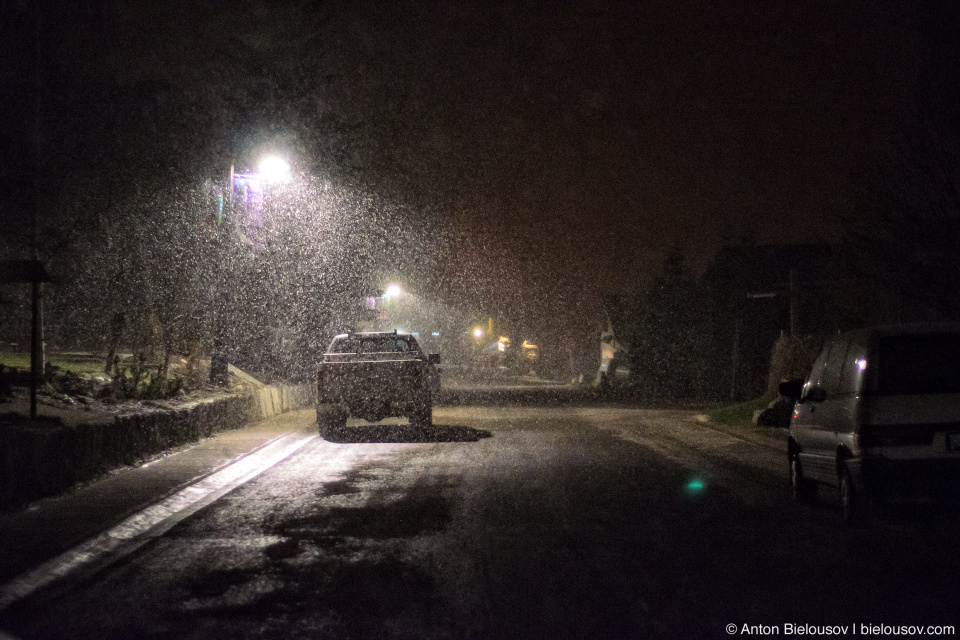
[(272, 169), (477, 348), (219, 364)]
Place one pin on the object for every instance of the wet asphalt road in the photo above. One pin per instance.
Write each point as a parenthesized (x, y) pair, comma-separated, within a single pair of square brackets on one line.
[(541, 522)]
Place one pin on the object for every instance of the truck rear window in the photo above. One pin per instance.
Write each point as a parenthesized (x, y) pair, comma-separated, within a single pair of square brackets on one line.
[(376, 344), (915, 364)]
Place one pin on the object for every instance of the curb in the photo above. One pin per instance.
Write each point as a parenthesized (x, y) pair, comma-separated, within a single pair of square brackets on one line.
[(772, 438), (37, 462)]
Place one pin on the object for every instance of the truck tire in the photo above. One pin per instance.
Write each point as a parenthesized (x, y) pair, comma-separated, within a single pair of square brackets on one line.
[(422, 416), (331, 418)]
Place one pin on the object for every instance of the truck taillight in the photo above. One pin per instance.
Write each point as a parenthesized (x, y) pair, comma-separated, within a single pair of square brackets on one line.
[(319, 381)]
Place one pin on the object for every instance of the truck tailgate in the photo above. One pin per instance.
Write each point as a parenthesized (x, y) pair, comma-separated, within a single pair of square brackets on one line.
[(381, 379)]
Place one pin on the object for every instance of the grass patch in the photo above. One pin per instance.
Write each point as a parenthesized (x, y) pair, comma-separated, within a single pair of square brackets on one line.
[(740, 414), (22, 361), (18, 360)]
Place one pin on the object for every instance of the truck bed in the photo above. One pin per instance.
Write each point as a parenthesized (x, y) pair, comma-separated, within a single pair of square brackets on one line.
[(370, 377)]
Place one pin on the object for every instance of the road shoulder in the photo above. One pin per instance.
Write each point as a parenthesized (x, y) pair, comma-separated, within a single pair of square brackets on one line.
[(770, 437), (52, 525)]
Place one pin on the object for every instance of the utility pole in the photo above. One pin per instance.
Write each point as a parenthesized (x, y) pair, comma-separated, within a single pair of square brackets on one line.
[(794, 303), (735, 359), (37, 356)]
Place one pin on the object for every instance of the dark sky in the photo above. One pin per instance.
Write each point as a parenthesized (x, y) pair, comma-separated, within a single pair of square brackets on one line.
[(554, 151), (586, 140), (636, 127)]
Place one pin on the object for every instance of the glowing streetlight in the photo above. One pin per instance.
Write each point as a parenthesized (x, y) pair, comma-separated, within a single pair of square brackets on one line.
[(478, 333), (394, 290), (274, 169)]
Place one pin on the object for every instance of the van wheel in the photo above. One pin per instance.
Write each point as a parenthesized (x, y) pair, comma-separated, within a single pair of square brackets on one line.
[(851, 502), (804, 491)]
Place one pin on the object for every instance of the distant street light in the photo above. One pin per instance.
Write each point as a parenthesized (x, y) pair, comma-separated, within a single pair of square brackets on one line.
[(478, 333), (394, 290)]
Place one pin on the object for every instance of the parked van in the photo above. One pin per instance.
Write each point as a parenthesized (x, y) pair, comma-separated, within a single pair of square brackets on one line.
[(879, 417)]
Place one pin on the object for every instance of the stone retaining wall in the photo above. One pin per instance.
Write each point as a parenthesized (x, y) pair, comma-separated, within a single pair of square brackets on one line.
[(38, 461)]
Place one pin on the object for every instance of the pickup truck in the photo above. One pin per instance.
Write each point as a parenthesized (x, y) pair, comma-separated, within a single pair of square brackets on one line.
[(374, 376)]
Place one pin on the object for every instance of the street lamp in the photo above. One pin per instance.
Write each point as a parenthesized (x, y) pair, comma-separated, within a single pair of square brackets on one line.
[(393, 291), (477, 353), (272, 169)]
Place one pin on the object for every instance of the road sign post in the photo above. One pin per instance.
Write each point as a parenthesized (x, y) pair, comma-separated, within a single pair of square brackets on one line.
[(31, 271)]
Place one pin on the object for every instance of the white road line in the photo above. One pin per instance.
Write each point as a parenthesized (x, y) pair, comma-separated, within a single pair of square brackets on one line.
[(153, 521)]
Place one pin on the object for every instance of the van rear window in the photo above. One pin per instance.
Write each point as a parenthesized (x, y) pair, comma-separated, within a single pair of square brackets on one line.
[(372, 344), (914, 364)]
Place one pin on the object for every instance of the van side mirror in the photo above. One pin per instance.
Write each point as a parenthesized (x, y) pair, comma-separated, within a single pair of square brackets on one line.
[(433, 358), (791, 389)]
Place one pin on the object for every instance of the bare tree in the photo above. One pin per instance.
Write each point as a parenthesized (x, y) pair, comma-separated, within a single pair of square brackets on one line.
[(906, 234)]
